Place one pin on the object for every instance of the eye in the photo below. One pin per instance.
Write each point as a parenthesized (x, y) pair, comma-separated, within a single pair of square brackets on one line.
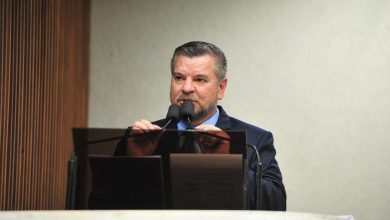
[(201, 80), (178, 77)]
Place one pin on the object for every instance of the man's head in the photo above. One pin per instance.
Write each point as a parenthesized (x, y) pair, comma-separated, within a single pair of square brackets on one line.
[(198, 75), (200, 48)]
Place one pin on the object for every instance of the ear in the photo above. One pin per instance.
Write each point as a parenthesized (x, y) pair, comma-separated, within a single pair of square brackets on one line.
[(221, 88)]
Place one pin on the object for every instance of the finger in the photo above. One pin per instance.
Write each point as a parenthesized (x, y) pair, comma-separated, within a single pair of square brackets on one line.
[(150, 126), (200, 127), (139, 127), (207, 128), (144, 126)]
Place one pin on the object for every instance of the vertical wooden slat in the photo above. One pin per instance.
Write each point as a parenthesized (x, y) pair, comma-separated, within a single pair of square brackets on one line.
[(12, 125), (37, 97), (7, 125), (23, 97), (44, 49), (44, 93), (28, 73), (32, 101), (3, 97), (18, 101), (2, 91)]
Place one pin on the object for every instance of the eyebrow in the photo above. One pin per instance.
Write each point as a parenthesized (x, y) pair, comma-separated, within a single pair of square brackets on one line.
[(202, 75)]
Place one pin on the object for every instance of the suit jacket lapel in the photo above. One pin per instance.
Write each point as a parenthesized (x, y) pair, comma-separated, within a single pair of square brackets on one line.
[(223, 120)]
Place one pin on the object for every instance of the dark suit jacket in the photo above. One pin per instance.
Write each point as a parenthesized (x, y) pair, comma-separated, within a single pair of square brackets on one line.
[(273, 192)]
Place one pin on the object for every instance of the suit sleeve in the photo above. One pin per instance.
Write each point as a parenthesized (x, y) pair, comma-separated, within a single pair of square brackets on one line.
[(273, 194)]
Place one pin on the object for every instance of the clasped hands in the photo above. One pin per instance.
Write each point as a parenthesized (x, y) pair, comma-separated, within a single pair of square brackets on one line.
[(209, 140)]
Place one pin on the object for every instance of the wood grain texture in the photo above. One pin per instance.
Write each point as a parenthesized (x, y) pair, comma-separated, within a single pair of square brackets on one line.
[(44, 93)]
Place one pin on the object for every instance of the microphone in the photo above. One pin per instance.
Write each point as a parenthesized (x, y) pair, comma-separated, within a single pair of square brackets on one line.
[(187, 112), (173, 115)]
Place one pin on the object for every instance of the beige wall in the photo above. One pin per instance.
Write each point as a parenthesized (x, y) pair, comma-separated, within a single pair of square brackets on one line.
[(315, 73)]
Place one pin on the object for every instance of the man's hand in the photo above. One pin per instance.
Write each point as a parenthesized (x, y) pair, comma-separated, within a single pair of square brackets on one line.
[(147, 136), (210, 144)]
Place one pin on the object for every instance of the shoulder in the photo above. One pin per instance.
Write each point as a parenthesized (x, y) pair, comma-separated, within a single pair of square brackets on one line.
[(250, 129), (238, 124), (254, 133)]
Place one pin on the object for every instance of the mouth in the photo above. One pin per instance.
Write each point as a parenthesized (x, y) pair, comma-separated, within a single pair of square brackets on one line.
[(180, 101)]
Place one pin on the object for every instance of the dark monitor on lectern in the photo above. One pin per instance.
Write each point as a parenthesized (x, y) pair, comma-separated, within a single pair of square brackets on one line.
[(169, 181), (126, 183)]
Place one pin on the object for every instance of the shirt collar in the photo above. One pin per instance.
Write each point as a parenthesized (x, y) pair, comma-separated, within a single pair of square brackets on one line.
[(211, 121)]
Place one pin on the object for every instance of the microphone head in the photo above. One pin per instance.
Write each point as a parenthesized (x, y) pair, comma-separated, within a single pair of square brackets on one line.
[(187, 110), (173, 112)]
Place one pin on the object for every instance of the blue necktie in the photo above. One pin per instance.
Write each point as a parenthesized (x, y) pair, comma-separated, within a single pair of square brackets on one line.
[(187, 145)]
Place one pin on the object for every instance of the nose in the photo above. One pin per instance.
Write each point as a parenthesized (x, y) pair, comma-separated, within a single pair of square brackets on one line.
[(188, 86)]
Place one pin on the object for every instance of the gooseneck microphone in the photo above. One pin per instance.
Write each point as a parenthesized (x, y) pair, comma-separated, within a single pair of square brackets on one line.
[(173, 115), (187, 112)]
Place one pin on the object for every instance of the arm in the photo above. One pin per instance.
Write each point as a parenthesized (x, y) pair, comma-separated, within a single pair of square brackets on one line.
[(273, 193)]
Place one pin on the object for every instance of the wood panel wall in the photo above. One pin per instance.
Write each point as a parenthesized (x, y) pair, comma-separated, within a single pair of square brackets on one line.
[(44, 93)]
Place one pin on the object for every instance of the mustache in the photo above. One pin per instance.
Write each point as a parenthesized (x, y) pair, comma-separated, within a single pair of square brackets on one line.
[(186, 98)]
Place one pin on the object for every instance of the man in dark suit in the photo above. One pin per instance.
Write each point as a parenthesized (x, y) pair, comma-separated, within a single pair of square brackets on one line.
[(199, 76)]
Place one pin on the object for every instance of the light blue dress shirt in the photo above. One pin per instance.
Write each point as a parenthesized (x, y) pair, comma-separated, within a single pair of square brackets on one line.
[(211, 121)]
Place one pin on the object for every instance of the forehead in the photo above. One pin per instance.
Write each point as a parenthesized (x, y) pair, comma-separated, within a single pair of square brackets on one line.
[(204, 64)]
